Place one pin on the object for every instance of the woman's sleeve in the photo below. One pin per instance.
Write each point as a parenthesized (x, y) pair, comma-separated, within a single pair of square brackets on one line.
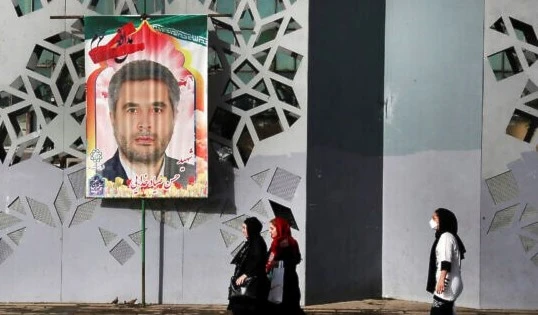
[(445, 251)]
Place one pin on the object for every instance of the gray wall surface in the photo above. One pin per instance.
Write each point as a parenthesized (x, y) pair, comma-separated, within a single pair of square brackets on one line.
[(433, 107), (345, 151)]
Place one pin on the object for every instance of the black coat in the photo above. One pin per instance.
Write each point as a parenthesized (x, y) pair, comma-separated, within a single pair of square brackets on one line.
[(291, 296), (250, 260)]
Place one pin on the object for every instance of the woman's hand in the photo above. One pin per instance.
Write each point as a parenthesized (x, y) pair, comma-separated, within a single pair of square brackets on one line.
[(440, 287), (241, 279)]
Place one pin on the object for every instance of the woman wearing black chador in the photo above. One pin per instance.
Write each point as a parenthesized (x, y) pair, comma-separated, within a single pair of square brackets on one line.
[(250, 272)]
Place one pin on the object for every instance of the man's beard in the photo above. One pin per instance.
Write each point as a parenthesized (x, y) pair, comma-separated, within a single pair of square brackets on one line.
[(146, 157)]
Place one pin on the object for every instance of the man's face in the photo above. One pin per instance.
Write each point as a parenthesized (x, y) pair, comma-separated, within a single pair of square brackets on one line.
[(143, 120)]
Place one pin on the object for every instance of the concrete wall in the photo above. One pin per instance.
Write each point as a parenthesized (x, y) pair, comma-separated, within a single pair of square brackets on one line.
[(509, 226), (433, 107), (57, 246), (345, 143)]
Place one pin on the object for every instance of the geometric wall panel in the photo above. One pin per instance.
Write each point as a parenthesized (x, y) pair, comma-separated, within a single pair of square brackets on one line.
[(527, 243), (530, 56), (16, 205), (5, 251), (62, 202), (533, 103), (84, 212), (291, 117), (250, 45), (285, 63), (505, 63), (284, 184), (531, 228), (503, 218), (259, 178), (268, 32), (259, 208), (261, 87), (502, 187), (228, 238), (108, 237), (529, 213), (41, 212), (201, 218), (236, 223), (17, 235), (185, 216), (524, 32), (7, 220), (530, 88), (267, 123), (136, 237), (269, 8), (122, 252), (246, 72), (78, 182), (26, 7), (285, 213), (285, 93), (245, 145), (38, 102), (292, 26)]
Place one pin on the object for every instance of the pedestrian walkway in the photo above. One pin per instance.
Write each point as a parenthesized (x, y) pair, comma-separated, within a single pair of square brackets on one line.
[(372, 306)]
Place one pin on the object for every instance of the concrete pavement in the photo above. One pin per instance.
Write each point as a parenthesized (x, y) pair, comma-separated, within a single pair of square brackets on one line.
[(370, 306)]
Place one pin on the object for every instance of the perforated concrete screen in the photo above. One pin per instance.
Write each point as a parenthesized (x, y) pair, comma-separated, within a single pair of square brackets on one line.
[(509, 152), (257, 151), (511, 46)]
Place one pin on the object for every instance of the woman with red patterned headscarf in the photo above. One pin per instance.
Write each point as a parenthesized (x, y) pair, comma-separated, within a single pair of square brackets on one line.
[(286, 249)]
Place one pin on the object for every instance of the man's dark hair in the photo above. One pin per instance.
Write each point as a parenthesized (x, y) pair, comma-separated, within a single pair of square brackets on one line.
[(141, 70)]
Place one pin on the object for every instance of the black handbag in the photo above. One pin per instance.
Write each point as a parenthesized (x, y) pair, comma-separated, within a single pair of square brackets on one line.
[(247, 290)]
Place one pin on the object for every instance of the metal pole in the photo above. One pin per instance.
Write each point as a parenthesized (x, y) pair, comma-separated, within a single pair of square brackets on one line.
[(143, 252)]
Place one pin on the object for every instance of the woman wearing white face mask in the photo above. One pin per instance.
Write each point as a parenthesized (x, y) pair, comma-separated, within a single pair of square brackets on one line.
[(444, 275)]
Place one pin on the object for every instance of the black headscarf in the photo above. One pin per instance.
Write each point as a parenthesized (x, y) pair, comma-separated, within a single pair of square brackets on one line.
[(447, 223), (254, 228)]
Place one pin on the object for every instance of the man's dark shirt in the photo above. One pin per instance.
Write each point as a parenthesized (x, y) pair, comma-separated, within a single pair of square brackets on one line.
[(113, 169)]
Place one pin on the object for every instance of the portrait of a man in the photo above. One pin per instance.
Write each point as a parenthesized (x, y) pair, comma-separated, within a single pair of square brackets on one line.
[(143, 98), (146, 106)]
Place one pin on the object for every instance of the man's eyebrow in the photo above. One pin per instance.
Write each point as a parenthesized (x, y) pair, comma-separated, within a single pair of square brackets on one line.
[(129, 104), (160, 104)]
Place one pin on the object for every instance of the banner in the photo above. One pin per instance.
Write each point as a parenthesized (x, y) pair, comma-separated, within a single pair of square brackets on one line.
[(146, 106)]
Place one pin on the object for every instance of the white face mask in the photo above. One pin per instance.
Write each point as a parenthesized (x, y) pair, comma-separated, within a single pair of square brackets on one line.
[(433, 224)]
